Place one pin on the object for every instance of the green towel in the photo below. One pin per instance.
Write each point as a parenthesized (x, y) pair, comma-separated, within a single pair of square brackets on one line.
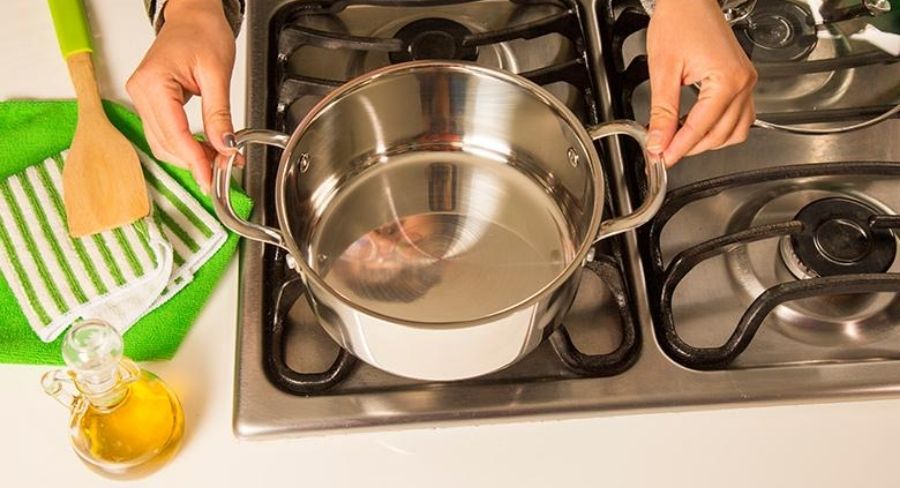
[(32, 131)]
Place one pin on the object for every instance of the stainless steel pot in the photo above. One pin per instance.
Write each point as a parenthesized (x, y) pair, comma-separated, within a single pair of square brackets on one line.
[(440, 214)]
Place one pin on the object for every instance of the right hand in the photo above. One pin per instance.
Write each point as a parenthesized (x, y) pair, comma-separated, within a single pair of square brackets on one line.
[(193, 54), (689, 42)]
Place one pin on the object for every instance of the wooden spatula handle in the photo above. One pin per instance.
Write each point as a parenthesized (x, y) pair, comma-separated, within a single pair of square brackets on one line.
[(81, 70), (74, 35)]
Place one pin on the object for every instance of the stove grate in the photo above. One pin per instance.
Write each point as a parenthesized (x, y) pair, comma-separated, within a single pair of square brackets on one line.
[(664, 279)]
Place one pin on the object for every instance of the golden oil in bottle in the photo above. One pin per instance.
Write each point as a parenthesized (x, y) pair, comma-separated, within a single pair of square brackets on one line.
[(125, 421), (138, 434)]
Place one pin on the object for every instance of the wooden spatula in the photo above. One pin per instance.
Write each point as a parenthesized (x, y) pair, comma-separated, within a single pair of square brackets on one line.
[(103, 185)]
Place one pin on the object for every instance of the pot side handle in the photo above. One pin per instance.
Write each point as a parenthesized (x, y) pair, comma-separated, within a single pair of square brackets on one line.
[(656, 179), (221, 184)]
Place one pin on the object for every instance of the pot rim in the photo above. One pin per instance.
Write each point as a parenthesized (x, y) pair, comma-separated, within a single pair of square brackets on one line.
[(577, 263)]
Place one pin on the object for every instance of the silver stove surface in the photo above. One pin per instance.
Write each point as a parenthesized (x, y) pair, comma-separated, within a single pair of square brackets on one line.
[(774, 368)]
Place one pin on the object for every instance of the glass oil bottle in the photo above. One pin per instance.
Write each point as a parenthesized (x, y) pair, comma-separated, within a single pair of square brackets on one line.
[(125, 422)]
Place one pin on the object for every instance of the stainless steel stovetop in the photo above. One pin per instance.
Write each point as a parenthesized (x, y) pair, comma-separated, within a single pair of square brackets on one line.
[(622, 349)]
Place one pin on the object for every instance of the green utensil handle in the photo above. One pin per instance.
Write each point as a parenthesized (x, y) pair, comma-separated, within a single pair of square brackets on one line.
[(72, 29)]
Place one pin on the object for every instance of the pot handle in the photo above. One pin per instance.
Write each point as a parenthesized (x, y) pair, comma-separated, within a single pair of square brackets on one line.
[(221, 184), (656, 179)]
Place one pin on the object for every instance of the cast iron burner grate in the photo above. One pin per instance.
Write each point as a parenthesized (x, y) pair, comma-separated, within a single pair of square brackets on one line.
[(427, 38), (607, 268), (848, 230), (437, 38)]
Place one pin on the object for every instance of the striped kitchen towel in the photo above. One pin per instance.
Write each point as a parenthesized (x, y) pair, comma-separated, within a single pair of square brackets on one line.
[(118, 275)]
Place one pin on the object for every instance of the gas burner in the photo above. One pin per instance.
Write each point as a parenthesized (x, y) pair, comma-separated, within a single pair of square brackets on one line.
[(825, 228), (837, 239), (835, 312), (434, 38), (779, 30)]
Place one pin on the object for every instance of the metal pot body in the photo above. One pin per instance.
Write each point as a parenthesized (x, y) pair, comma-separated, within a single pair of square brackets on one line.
[(441, 353), (440, 214)]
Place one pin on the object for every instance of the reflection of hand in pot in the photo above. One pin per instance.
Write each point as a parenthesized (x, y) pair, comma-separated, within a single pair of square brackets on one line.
[(397, 262)]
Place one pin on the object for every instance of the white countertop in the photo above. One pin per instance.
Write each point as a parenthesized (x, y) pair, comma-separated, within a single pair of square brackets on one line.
[(849, 444)]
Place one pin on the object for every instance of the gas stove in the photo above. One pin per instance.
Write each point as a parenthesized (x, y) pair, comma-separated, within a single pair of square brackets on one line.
[(768, 276)]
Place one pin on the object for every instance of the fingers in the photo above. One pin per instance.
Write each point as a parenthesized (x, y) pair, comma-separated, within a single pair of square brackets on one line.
[(200, 171), (157, 149), (160, 103), (665, 93), (214, 86), (713, 101), (723, 129), (742, 131), (203, 172)]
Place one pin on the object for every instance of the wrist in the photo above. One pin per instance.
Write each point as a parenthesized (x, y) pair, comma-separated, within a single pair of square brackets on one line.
[(194, 11), (178, 8)]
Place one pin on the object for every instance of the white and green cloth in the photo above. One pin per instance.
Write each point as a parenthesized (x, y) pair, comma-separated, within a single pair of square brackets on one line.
[(118, 275)]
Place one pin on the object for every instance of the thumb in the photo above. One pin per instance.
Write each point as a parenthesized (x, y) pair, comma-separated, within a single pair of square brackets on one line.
[(665, 92), (214, 93)]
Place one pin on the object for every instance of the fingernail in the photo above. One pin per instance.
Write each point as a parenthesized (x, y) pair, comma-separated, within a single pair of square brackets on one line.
[(228, 140), (654, 141)]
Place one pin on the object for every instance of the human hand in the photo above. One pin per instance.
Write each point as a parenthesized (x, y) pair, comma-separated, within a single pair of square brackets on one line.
[(688, 41), (193, 54)]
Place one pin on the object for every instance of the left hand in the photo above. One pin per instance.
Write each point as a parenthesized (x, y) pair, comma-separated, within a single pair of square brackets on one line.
[(192, 55), (689, 42)]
